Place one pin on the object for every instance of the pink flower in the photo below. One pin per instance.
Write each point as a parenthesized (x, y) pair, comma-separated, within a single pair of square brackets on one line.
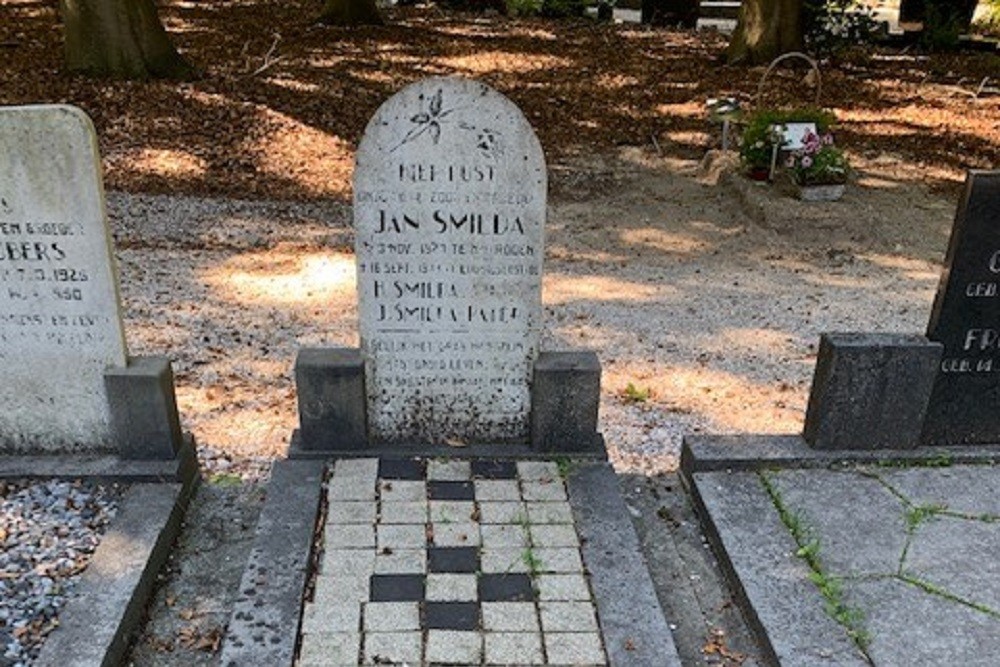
[(827, 139), (806, 162)]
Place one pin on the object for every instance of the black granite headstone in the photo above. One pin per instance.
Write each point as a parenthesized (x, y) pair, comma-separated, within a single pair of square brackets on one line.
[(965, 403)]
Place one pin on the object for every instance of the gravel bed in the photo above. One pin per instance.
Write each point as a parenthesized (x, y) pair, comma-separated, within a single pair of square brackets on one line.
[(48, 533)]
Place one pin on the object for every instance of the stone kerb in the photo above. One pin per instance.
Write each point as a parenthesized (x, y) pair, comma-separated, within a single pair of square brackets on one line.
[(449, 211), (60, 319)]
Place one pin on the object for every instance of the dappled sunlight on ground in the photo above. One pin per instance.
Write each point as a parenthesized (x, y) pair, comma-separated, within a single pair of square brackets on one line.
[(284, 278)]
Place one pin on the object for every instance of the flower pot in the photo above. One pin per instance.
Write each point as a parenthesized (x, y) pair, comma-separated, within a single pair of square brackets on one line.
[(829, 192), (758, 173)]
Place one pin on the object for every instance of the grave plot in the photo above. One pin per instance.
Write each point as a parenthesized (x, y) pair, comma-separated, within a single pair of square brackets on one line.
[(76, 407)]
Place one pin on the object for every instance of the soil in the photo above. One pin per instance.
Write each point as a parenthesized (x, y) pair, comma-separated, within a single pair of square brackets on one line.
[(703, 294)]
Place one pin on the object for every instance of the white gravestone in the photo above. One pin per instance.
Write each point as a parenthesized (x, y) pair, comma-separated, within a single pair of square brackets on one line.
[(449, 213), (60, 325)]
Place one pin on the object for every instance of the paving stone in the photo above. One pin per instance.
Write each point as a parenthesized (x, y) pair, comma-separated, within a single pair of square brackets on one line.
[(544, 491), (452, 511), (456, 534), (554, 535), (332, 590), (449, 471), (397, 588), (934, 557), (454, 647), (873, 538), (451, 615), (510, 617), (330, 648), (557, 559), (538, 471), (567, 617), (393, 491), (402, 512), (391, 616), (497, 536), (341, 512), (552, 512), (451, 587), (513, 648), (348, 562), (340, 616), (962, 488), (401, 561), (351, 536), (504, 560), (502, 512), (443, 490), (397, 648), (505, 588), (366, 469), (562, 587), (401, 536), (453, 559), (401, 469), (497, 489), (912, 628), (574, 648), (486, 469), (350, 488)]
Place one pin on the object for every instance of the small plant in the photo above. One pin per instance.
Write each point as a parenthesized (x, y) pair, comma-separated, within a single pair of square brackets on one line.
[(532, 561), (633, 394), (818, 162), (523, 7)]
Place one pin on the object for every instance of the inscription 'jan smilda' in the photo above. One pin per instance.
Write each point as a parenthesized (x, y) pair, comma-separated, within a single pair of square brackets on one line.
[(482, 224)]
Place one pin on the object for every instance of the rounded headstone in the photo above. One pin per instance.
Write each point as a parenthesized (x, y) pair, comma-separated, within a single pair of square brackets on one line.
[(449, 212)]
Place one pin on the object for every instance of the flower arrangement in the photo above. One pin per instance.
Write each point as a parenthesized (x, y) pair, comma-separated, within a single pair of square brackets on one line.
[(761, 133), (818, 162)]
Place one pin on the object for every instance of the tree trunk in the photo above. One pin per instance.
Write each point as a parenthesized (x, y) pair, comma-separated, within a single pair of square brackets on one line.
[(351, 12), (766, 29), (119, 38)]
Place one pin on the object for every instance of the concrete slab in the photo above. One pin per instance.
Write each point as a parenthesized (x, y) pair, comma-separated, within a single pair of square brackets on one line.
[(911, 628), (758, 554), (969, 489), (263, 629), (118, 582), (635, 632), (958, 556), (830, 501)]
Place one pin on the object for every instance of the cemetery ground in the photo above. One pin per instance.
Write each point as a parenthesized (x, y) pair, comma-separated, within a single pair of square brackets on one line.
[(703, 295)]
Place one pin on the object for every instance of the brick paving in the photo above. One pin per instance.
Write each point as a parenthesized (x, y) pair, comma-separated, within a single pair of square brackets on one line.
[(449, 562)]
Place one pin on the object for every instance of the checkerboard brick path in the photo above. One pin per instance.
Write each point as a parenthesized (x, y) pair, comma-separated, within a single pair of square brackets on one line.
[(449, 562)]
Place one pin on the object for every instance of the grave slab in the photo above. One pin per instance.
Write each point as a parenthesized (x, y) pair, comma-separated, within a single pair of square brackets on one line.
[(960, 488), (61, 326)]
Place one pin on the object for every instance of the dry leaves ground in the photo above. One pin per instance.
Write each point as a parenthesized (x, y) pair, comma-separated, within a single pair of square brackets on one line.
[(681, 291)]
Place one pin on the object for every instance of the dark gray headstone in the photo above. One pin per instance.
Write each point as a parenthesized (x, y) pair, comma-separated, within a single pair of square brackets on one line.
[(870, 391), (965, 404)]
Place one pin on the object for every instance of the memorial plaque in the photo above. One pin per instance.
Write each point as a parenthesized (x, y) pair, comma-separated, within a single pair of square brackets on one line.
[(449, 212), (965, 403), (60, 325)]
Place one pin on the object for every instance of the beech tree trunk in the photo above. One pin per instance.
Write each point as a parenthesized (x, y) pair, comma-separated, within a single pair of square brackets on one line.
[(121, 39), (765, 30), (351, 12)]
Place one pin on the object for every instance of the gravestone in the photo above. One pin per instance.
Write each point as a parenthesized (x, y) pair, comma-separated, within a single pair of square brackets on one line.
[(964, 406), (449, 212), (66, 382)]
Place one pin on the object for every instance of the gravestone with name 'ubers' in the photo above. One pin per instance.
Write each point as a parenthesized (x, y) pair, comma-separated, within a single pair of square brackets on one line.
[(964, 406), (449, 212), (60, 324)]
